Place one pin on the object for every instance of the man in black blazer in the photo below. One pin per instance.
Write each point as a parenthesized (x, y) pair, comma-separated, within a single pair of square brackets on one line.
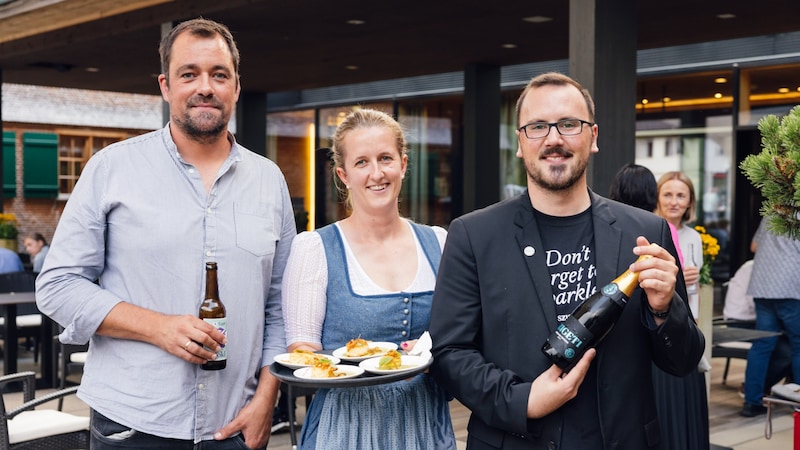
[(512, 271)]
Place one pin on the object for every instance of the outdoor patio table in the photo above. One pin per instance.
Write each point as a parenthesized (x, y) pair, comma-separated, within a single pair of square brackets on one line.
[(9, 302)]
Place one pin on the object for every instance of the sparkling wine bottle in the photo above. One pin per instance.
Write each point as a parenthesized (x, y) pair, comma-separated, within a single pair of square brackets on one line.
[(591, 321)]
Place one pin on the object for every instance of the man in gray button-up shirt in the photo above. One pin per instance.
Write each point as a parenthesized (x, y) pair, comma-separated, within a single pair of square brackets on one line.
[(142, 221)]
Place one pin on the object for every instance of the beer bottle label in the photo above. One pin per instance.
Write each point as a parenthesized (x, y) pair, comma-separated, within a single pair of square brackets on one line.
[(221, 325)]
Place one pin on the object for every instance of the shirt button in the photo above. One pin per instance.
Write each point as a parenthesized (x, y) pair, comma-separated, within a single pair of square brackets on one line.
[(551, 445), (201, 386), (403, 333), (208, 252), (405, 322), (191, 170), (405, 300), (405, 311), (208, 211)]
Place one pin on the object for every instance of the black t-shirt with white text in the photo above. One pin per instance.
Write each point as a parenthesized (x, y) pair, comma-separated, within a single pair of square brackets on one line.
[(569, 251)]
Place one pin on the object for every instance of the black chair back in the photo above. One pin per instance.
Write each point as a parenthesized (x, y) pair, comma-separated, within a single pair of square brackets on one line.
[(17, 282), (20, 282)]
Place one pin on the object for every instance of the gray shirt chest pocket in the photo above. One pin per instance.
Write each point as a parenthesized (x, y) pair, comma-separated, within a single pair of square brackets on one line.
[(255, 228)]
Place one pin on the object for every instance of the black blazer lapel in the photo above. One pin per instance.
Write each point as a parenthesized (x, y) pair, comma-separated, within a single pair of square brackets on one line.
[(530, 241), (607, 241)]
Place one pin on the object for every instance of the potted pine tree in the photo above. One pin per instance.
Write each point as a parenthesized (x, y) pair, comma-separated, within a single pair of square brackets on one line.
[(776, 172)]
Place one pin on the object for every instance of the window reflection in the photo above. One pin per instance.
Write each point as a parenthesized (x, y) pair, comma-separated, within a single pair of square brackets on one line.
[(290, 135), (432, 131)]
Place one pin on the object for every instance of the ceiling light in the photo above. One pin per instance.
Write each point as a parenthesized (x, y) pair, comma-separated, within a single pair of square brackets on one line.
[(509, 45), (783, 90), (726, 16), (718, 95), (666, 99), (537, 19), (351, 67), (720, 80), (92, 69), (645, 101), (355, 22)]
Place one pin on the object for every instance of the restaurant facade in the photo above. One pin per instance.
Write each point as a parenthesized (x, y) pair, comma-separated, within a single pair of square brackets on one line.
[(697, 111)]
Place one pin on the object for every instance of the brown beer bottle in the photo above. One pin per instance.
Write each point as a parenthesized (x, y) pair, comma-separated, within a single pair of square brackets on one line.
[(213, 311)]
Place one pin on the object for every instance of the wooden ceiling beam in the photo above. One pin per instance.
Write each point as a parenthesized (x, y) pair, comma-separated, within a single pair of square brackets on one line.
[(51, 16), (84, 27)]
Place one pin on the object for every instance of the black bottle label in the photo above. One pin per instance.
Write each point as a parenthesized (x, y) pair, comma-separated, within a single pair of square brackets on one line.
[(591, 321), (571, 339)]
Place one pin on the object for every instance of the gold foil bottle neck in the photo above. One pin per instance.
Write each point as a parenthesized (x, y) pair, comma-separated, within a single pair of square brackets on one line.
[(628, 281)]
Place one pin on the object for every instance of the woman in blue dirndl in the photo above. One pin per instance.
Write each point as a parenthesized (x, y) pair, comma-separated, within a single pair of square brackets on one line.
[(372, 276)]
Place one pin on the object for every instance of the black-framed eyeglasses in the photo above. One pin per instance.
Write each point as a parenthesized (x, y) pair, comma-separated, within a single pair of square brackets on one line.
[(566, 127)]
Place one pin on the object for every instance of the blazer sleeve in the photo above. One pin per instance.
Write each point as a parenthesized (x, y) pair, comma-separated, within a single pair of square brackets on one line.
[(678, 343), (499, 397)]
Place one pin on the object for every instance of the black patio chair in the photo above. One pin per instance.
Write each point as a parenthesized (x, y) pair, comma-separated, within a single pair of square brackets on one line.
[(27, 428)]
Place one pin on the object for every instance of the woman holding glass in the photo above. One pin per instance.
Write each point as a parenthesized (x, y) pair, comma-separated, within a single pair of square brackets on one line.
[(676, 204), (682, 402)]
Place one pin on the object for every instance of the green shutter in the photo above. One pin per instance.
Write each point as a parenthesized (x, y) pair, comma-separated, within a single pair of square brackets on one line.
[(40, 165), (9, 164)]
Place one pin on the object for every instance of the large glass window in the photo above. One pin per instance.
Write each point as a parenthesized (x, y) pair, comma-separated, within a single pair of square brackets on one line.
[(74, 150), (685, 122), (291, 145), (705, 154), (329, 119), (513, 177), (432, 131)]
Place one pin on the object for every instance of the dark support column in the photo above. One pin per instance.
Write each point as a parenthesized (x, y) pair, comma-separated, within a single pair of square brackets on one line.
[(602, 57), (165, 29), (322, 174), (481, 157), (745, 209), (251, 121), (736, 253)]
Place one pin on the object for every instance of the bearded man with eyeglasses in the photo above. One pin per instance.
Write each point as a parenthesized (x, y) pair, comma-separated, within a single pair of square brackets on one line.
[(510, 273)]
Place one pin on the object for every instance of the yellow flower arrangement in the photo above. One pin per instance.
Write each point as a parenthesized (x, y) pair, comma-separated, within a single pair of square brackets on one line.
[(710, 252), (8, 226)]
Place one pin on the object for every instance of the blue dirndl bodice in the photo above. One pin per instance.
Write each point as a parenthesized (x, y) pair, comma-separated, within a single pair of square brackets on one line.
[(408, 414)]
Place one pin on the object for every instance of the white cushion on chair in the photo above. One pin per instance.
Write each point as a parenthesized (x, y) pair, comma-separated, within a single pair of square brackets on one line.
[(742, 345), (29, 425), (78, 357), (25, 320), (29, 320)]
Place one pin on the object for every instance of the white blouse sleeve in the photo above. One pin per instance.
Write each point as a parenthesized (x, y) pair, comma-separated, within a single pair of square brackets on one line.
[(305, 283), (441, 235)]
